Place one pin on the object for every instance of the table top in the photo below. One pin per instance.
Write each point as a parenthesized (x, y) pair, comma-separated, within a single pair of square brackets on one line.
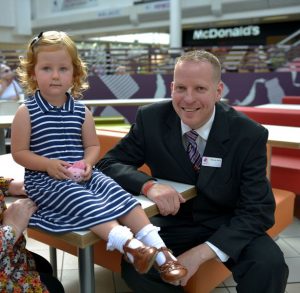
[(127, 102), (280, 106), (85, 238), (122, 102), (6, 120), (283, 136)]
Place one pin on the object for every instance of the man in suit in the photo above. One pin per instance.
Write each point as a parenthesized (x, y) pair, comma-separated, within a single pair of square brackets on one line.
[(234, 205)]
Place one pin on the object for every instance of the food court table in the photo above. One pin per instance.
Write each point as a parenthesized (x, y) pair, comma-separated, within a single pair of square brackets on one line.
[(83, 240), (283, 136), (93, 104), (122, 102), (280, 106)]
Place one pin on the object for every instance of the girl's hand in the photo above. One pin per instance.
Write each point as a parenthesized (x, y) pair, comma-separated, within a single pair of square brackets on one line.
[(17, 215), (87, 172), (58, 169)]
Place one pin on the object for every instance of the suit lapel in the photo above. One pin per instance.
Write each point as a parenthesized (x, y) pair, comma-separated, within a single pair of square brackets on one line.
[(216, 145), (173, 142)]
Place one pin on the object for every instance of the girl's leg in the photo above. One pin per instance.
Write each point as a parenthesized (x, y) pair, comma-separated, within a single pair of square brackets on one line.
[(135, 219), (170, 270), (103, 230)]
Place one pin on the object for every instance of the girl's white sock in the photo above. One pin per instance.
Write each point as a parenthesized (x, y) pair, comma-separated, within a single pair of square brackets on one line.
[(117, 237), (150, 237)]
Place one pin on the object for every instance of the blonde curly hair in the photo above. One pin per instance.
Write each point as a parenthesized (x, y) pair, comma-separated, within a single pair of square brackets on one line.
[(55, 40)]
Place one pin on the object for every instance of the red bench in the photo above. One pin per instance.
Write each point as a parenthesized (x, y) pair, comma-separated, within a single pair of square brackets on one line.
[(291, 100), (284, 117), (210, 274)]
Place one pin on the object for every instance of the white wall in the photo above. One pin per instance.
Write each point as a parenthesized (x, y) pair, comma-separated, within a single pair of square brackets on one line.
[(21, 19), (110, 17), (15, 22)]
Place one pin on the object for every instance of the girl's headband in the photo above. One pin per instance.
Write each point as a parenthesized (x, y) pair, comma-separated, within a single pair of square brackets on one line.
[(36, 40)]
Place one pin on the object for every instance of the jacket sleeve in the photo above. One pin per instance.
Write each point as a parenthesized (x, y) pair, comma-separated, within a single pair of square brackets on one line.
[(122, 162)]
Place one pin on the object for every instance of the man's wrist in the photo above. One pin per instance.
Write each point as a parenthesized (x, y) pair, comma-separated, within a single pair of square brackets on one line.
[(222, 256), (147, 186)]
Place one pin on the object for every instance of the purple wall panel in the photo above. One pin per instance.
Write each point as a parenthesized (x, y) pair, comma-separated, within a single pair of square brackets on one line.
[(240, 88)]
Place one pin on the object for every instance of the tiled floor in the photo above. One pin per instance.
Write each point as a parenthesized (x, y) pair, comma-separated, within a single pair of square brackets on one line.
[(108, 282)]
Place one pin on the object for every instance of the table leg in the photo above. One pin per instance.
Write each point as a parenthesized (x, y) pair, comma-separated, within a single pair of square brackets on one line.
[(53, 260), (2, 141), (86, 269)]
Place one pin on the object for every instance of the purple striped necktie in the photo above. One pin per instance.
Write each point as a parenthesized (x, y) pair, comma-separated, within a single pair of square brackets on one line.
[(192, 149)]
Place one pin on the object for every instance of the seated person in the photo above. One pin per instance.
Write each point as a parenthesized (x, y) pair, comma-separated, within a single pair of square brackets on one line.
[(198, 140), (21, 270), (9, 87)]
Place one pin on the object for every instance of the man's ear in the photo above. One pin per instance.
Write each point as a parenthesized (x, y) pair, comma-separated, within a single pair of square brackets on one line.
[(220, 88), (171, 86)]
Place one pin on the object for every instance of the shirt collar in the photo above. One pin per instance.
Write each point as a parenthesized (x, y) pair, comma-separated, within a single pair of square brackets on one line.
[(69, 105), (204, 130)]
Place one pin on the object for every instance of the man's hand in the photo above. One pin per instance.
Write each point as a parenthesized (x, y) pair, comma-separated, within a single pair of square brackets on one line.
[(166, 198), (194, 258)]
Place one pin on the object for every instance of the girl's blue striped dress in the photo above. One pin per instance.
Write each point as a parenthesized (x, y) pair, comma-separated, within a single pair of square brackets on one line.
[(64, 205)]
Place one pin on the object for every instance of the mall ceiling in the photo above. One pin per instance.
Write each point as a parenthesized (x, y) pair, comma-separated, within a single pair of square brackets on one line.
[(153, 16)]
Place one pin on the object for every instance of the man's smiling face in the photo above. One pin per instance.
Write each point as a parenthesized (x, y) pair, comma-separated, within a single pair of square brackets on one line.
[(195, 92)]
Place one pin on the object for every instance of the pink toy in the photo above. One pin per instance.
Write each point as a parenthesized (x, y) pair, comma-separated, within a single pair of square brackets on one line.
[(76, 171)]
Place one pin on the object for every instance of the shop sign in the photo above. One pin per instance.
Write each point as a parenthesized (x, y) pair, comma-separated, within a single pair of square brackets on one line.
[(233, 32)]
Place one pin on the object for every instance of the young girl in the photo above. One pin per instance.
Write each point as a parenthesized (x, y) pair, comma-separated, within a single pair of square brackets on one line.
[(50, 132)]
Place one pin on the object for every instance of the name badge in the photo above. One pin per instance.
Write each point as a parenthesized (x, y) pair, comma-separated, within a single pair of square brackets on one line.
[(212, 162)]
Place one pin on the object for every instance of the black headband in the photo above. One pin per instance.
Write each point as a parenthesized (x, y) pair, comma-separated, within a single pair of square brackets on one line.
[(36, 39)]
